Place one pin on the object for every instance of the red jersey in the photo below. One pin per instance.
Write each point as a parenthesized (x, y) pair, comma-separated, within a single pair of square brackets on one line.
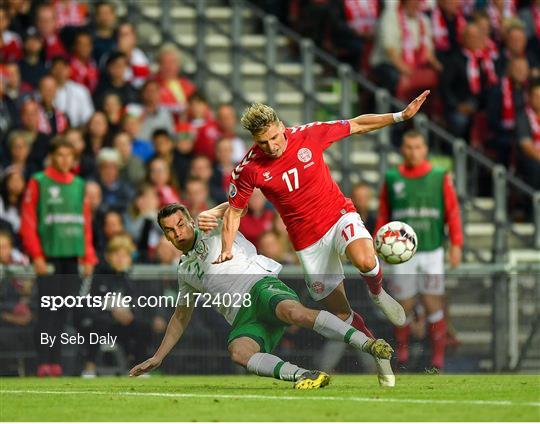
[(298, 183)]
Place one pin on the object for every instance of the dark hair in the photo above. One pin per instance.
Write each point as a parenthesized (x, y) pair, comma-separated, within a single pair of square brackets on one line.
[(7, 234), (59, 59), (58, 142), (171, 209), (413, 134), (147, 83), (114, 56), (198, 96), (161, 132), (102, 3), (534, 85)]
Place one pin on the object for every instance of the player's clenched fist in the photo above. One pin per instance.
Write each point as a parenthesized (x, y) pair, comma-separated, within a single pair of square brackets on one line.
[(224, 257), (146, 366)]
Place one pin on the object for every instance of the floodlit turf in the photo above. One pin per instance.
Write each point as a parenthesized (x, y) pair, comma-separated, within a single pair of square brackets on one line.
[(249, 398)]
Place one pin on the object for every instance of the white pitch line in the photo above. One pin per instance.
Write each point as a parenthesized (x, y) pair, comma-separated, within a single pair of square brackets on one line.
[(267, 397)]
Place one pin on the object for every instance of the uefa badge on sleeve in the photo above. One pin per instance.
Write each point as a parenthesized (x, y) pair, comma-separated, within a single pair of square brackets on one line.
[(232, 190)]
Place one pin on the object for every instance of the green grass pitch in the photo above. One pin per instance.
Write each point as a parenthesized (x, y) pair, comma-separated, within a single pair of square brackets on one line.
[(250, 398)]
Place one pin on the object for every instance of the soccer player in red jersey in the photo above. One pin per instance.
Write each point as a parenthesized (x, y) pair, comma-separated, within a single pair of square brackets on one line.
[(287, 164)]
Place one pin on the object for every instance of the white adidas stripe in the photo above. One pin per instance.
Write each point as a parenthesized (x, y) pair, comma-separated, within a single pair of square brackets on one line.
[(268, 397)]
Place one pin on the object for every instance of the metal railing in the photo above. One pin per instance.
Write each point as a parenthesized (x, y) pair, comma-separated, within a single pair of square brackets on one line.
[(467, 160)]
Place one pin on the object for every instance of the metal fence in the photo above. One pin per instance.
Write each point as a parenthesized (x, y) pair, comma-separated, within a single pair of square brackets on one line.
[(468, 162)]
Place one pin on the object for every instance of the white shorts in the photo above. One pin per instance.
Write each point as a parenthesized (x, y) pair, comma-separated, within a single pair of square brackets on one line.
[(321, 261), (423, 273)]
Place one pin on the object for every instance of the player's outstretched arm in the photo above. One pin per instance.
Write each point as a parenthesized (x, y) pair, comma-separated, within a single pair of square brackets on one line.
[(175, 329), (231, 222), (370, 122)]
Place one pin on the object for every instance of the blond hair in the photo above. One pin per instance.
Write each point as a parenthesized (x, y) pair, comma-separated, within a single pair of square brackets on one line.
[(120, 242), (258, 117)]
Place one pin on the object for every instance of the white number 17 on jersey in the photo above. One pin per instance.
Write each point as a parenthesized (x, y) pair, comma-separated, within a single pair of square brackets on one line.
[(285, 177)]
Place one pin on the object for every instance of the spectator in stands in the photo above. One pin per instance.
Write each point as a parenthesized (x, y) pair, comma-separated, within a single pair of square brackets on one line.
[(39, 142), (31, 66), (175, 90), (112, 276), (530, 16), (224, 165), (70, 13), (411, 64), (159, 176), (141, 222), (11, 193), (52, 120), (48, 238), (228, 122), (528, 134), (196, 196), (117, 194), (466, 78), (201, 167), (153, 116), (500, 11), (138, 70), (278, 226), (18, 151), (97, 133), (361, 197), (9, 254), (16, 294), (8, 110), (258, 218), (141, 147), (92, 192), (105, 26), (10, 42), (72, 98), (113, 81), (83, 67), (47, 28), (111, 225), (206, 127), (353, 25), (112, 107), (269, 246), (132, 170), (16, 89), (505, 101), (183, 156), (447, 24), (84, 164), (166, 253), (21, 13), (515, 45)]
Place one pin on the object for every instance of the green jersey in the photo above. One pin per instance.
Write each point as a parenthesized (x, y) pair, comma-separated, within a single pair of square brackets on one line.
[(60, 217), (419, 202)]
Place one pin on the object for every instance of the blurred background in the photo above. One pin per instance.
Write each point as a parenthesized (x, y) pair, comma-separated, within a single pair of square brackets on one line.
[(149, 93)]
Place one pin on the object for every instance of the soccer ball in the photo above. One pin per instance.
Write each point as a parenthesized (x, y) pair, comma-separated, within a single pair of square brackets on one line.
[(396, 242)]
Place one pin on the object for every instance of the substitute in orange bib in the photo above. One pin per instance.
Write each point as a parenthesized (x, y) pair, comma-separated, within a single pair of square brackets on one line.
[(423, 196), (56, 230)]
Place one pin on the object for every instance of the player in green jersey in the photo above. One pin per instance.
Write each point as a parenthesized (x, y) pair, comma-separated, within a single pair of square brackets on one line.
[(247, 292)]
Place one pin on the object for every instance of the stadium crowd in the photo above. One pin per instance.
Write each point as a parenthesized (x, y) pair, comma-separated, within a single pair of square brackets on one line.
[(144, 135)]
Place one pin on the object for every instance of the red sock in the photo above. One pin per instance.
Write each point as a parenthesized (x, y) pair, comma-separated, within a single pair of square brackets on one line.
[(437, 333), (402, 340), (359, 324), (374, 282)]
